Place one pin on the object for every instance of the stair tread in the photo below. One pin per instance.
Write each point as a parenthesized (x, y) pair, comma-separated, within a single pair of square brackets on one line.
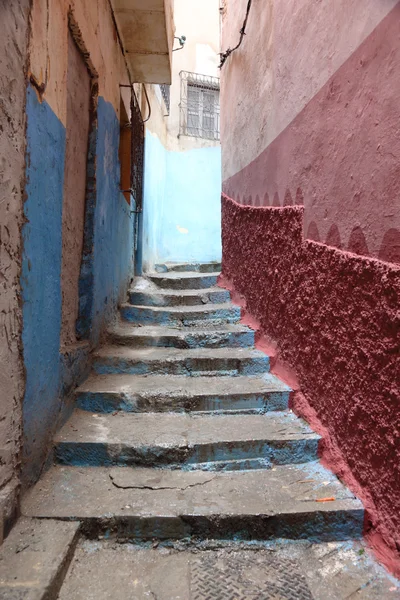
[(177, 354), (127, 328), (180, 430), (183, 275), (162, 385), (184, 309), (156, 291), (120, 492)]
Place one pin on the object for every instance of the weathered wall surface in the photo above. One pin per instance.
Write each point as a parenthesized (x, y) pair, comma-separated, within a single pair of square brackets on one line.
[(41, 278), (13, 53), (73, 218), (325, 127), (51, 373), (334, 317), (183, 174), (311, 155)]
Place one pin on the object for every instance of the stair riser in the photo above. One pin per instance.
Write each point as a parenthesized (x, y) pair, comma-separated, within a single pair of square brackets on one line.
[(190, 366), (187, 342), (186, 267), (320, 526), (246, 403), (272, 452), (147, 316), (160, 300), (185, 283)]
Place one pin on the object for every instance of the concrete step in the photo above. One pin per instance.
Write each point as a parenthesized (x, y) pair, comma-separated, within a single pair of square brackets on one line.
[(181, 315), (35, 558), (157, 393), (214, 295), (210, 267), (184, 281), (218, 336), (174, 361), (183, 440), (297, 570), (292, 502)]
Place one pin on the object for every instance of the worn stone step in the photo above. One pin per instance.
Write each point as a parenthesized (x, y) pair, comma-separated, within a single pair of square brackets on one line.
[(230, 335), (182, 281), (174, 361), (296, 570), (35, 557), (181, 440), (293, 502), (157, 393), (180, 315), (210, 267), (214, 295)]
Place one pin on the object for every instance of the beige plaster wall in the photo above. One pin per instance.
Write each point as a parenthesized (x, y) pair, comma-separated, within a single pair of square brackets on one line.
[(13, 45), (200, 23), (49, 49)]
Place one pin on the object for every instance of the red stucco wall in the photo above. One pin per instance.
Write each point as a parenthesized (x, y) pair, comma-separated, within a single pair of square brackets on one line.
[(311, 240), (334, 318)]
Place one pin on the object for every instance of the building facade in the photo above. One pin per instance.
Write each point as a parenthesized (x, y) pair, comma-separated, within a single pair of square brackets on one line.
[(67, 71), (311, 222), (181, 216)]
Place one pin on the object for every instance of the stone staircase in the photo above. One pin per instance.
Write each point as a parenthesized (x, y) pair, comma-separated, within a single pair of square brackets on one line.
[(181, 435)]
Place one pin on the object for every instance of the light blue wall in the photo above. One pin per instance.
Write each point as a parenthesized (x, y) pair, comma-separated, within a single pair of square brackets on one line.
[(50, 374), (182, 192)]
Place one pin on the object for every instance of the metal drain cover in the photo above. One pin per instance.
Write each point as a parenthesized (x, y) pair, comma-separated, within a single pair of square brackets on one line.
[(237, 576)]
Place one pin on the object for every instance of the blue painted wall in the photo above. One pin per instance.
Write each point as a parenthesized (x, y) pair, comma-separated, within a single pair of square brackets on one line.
[(113, 232), (182, 192), (41, 277), (49, 374)]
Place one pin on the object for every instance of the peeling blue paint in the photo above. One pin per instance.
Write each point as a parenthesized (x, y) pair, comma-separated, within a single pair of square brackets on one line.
[(104, 402), (149, 316), (226, 456)]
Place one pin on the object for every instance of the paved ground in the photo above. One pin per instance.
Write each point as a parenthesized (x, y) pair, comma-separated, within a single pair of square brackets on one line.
[(278, 571)]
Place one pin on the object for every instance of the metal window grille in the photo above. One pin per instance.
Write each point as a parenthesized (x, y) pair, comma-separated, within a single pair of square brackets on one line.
[(199, 107), (137, 152), (166, 94)]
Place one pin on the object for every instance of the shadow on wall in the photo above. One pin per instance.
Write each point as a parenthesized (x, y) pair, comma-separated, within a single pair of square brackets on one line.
[(49, 374)]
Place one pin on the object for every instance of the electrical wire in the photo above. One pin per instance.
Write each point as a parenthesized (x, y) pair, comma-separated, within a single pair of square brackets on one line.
[(228, 52), (148, 104)]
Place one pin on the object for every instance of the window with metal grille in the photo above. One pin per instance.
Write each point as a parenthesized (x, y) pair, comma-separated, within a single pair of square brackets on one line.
[(199, 107)]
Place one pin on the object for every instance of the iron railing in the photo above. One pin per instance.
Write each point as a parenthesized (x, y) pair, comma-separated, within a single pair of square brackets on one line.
[(137, 152)]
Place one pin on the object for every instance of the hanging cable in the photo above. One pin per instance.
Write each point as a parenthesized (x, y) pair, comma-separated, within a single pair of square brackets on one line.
[(148, 104), (224, 55)]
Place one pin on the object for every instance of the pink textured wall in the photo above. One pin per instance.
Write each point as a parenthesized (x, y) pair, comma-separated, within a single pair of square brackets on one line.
[(311, 240), (334, 317), (340, 154)]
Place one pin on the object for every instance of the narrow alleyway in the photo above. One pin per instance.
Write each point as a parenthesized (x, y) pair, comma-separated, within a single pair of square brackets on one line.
[(182, 473)]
